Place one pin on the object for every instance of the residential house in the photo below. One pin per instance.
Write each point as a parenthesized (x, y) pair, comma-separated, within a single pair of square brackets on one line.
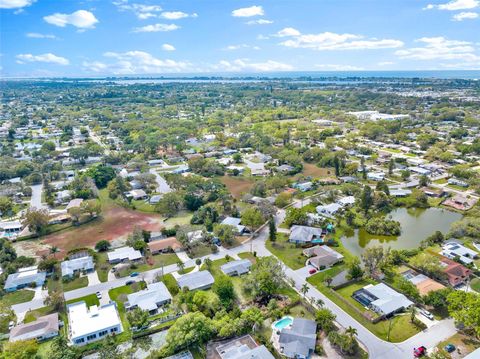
[(164, 245), (87, 325), (74, 203), (423, 283), (137, 194), (457, 182), (298, 340), (77, 265), (305, 234), (43, 328), (285, 169), (454, 250), (123, 254), (433, 192), (237, 267), (329, 209), (376, 176), (235, 222), (151, 299), (322, 257), (196, 281), (456, 273), (25, 277), (400, 193), (242, 348), (460, 202), (346, 201), (382, 299), (195, 236), (303, 187)]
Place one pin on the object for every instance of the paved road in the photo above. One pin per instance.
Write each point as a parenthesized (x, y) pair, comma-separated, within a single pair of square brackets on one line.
[(36, 199), (163, 186), (98, 140), (376, 347)]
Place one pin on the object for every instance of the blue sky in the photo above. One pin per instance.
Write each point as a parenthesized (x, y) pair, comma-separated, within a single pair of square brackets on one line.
[(130, 37)]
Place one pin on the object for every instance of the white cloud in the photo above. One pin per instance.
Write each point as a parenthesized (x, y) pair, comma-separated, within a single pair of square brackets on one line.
[(288, 31), (176, 15), (332, 41), (244, 65), (259, 22), (48, 58), (157, 28), (36, 35), (15, 4), (454, 5), (465, 16), (168, 47), (81, 18), (440, 48), (142, 11), (248, 11), (336, 67), (241, 46), (135, 62), (386, 63)]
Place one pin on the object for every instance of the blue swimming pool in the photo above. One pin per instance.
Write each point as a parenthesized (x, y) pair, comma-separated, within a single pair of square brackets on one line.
[(282, 323)]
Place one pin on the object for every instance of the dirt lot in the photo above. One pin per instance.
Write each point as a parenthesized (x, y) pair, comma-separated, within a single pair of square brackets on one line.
[(314, 171), (237, 185), (116, 223)]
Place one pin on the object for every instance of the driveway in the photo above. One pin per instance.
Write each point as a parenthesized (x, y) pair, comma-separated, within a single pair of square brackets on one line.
[(163, 186), (36, 199), (182, 255), (93, 278)]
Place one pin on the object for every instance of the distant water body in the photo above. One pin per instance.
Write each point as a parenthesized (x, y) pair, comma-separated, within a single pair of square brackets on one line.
[(306, 76)]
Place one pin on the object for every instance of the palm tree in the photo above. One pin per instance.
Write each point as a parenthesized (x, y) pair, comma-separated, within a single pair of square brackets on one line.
[(413, 313), (304, 289), (54, 250), (328, 280), (320, 303), (180, 266), (351, 331)]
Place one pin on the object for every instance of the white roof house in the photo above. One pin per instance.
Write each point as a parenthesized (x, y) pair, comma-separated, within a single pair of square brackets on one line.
[(77, 265), (150, 299), (376, 176), (304, 234), (235, 222), (196, 280), (346, 201), (454, 249), (384, 300), (123, 253), (24, 278), (90, 324), (330, 209), (237, 267)]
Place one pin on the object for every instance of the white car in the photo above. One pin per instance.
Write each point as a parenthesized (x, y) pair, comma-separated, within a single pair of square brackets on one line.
[(11, 324), (99, 295), (427, 314)]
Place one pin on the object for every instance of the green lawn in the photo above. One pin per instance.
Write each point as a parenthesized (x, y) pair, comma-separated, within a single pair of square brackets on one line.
[(401, 327), (170, 283), (90, 300), (158, 261), (79, 282), (143, 206), (462, 342), (186, 270), (33, 315), (319, 278), (200, 250), (181, 219), (19, 296), (475, 284), (102, 266), (287, 252), (248, 255)]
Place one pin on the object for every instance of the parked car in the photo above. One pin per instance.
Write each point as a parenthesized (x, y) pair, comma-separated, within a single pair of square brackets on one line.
[(312, 271), (427, 314), (419, 352), (129, 282), (449, 348), (99, 295), (134, 274), (11, 324)]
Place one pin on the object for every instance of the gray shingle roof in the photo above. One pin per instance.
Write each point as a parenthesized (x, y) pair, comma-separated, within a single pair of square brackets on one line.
[(77, 264), (151, 298), (24, 278), (237, 267), (300, 339), (43, 326), (304, 233), (196, 280)]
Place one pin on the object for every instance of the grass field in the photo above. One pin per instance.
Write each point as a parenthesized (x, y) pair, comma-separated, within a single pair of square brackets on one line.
[(19, 296), (181, 219), (90, 299), (314, 171), (102, 266), (33, 315), (475, 284), (115, 222), (287, 252), (79, 282), (463, 343), (237, 185), (157, 261), (319, 278)]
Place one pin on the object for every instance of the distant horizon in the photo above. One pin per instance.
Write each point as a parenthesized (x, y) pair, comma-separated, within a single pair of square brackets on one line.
[(470, 74)]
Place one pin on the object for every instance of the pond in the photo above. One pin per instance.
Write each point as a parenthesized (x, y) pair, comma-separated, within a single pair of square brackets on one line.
[(416, 224)]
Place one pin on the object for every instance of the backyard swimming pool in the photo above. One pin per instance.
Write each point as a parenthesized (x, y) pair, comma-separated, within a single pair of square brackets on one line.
[(282, 323)]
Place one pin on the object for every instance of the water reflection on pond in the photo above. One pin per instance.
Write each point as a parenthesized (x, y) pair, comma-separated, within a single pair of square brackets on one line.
[(416, 223)]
